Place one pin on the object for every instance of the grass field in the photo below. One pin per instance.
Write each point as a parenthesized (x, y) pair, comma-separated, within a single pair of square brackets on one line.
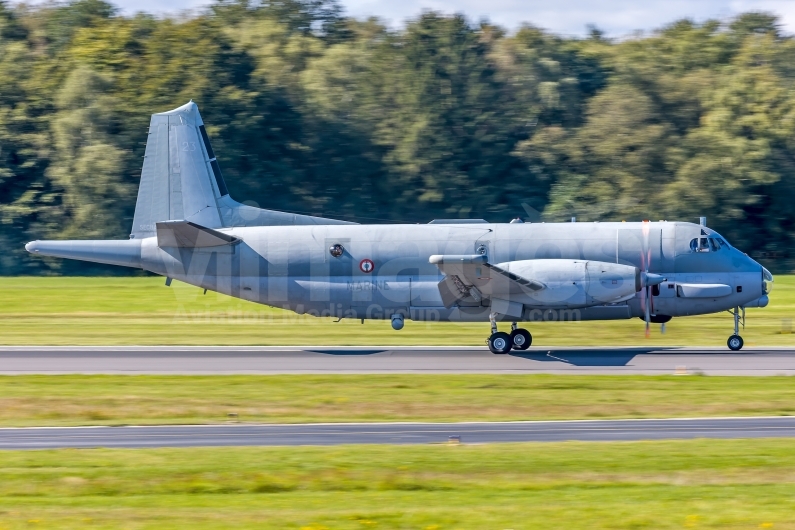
[(123, 399), (116, 311), (668, 484), (659, 485)]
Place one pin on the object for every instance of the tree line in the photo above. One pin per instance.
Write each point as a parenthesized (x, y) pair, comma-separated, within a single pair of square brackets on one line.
[(314, 112)]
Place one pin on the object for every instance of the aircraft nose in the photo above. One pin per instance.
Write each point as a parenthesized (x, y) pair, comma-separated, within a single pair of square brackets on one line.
[(33, 246)]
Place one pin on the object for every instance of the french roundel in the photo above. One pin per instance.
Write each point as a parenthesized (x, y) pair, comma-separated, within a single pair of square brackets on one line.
[(366, 266)]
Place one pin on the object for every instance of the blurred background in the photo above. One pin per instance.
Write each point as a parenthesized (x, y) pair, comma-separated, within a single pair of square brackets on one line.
[(314, 111)]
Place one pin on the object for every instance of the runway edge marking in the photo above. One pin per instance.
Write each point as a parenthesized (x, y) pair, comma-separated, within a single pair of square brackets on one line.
[(517, 422)]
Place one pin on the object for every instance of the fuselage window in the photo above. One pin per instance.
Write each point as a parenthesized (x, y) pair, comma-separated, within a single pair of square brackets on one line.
[(336, 250)]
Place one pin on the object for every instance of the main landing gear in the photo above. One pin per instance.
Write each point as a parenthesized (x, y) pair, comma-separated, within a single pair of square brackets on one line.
[(735, 342), (501, 342)]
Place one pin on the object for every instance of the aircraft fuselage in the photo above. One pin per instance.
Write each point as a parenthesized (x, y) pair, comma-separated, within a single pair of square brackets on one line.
[(385, 270)]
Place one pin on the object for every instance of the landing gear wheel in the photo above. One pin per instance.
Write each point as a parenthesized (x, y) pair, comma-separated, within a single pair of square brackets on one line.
[(521, 339), (735, 343), (500, 342)]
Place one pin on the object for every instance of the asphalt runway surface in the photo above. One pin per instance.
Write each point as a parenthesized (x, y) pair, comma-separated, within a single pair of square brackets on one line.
[(393, 433), (391, 359)]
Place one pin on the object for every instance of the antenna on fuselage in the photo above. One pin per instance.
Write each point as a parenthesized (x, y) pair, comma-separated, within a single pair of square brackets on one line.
[(702, 221)]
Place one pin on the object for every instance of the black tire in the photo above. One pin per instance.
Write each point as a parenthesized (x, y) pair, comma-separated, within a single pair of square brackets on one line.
[(500, 342), (521, 339), (735, 343)]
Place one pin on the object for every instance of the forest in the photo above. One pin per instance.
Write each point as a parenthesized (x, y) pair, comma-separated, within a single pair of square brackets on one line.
[(311, 111)]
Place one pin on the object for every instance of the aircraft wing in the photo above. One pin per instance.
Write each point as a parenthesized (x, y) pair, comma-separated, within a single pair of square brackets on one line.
[(186, 234), (470, 278)]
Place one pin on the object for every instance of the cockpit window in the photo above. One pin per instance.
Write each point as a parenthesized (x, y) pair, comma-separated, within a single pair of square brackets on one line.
[(704, 244), (720, 240)]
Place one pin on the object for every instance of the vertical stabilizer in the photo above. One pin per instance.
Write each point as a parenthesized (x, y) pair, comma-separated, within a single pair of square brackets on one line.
[(180, 179)]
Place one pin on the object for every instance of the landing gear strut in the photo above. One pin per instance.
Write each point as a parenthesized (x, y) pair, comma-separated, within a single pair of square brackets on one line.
[(500, 342), (735, 342)]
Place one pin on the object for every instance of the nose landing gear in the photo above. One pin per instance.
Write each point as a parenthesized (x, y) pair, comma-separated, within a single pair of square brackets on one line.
[(735, 342), (500, 342)]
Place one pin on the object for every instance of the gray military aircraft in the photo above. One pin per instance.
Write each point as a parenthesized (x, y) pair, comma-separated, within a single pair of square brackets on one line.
[(187, 227)]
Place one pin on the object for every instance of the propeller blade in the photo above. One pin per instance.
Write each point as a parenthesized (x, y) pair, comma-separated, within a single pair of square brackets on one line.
[(645, 263)]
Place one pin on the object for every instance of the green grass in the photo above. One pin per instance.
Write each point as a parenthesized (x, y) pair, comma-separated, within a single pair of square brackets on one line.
[(745, 484), (116, 311), (124, 399), (668, 484)]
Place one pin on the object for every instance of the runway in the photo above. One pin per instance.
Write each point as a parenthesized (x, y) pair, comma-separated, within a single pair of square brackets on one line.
[(393, 433), (391, 359)]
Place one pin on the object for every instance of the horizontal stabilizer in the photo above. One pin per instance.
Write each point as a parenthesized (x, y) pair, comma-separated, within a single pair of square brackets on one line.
[(186, 234)]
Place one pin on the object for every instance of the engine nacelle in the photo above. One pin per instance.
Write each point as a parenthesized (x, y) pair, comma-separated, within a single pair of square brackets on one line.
[(572, 283)]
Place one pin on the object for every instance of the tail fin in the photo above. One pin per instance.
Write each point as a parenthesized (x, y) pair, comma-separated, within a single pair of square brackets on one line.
[(181, 180)]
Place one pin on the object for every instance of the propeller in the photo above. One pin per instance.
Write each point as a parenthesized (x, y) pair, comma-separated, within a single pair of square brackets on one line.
[(647, 279)]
